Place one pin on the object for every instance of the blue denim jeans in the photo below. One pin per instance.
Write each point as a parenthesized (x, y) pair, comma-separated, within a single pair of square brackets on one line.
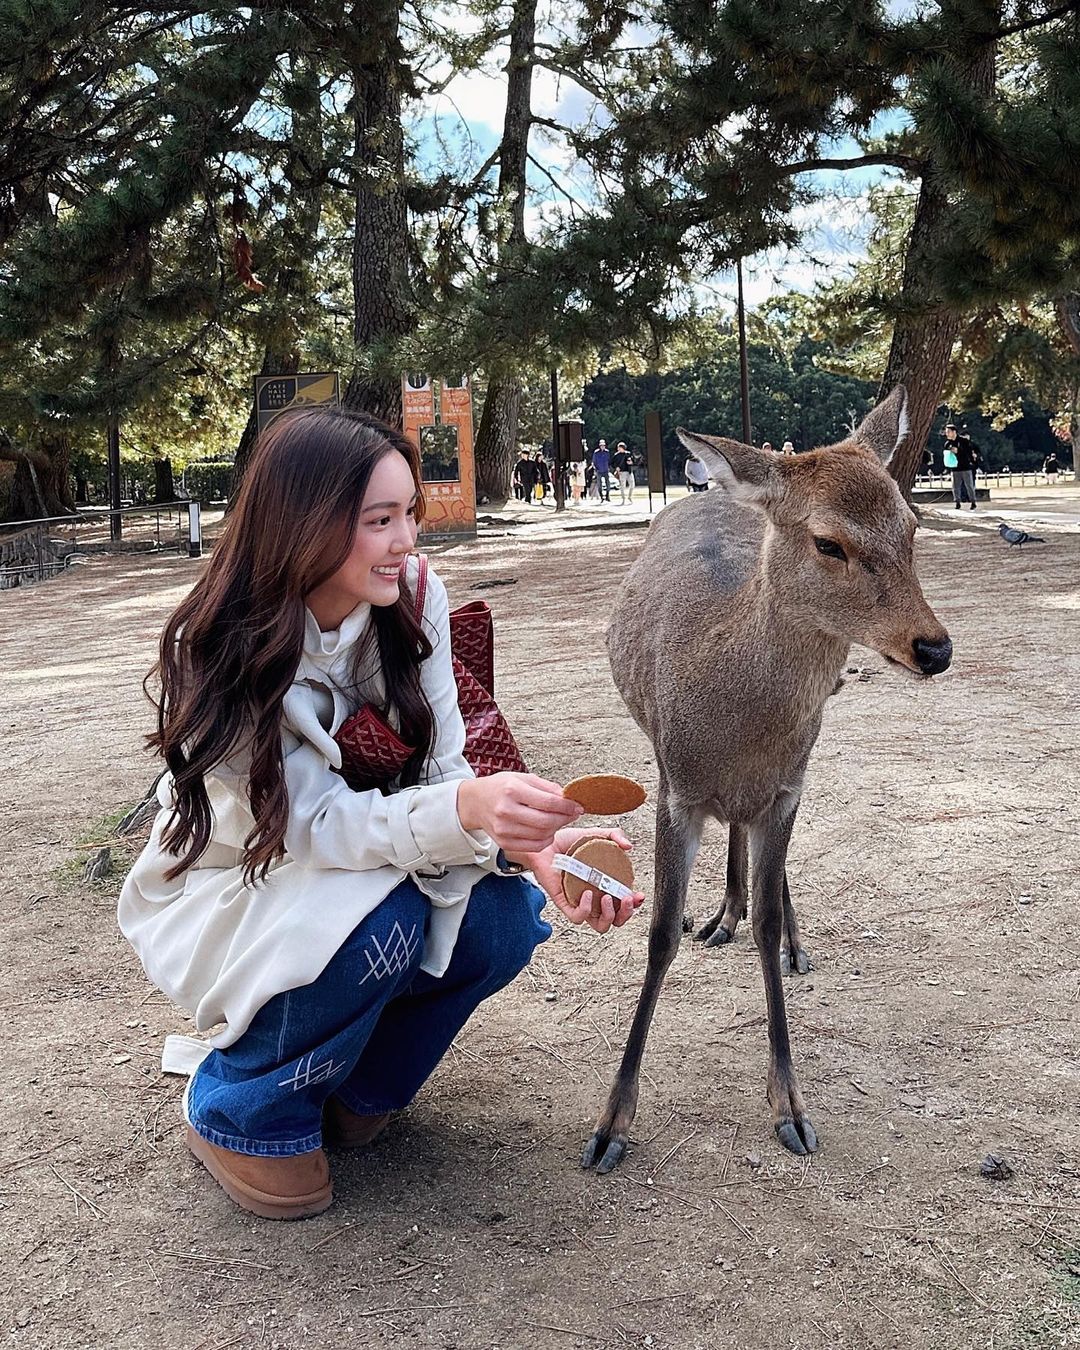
[(370, 1029)]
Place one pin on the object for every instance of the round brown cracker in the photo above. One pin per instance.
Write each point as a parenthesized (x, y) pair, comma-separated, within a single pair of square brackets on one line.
[(605, 794), (605, 856)]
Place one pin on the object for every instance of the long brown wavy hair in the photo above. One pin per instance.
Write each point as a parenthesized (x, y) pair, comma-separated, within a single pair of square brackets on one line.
[(231, 650)]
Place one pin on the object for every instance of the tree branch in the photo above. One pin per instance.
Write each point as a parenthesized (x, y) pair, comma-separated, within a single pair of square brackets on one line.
[(554, 183), (1025, 25), (910, 163), (582, 81)]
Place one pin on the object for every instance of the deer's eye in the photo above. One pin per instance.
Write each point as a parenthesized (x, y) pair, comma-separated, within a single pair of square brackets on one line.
[(830, 548)]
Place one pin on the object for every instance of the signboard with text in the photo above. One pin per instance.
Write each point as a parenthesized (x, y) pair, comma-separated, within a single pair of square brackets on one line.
[(275, 394), (444, 439)]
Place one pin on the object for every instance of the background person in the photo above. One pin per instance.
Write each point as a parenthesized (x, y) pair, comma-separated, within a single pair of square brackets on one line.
[(696, 474), (543, 476), (622, 464), (523, 477), (602, 464), (960, 459)]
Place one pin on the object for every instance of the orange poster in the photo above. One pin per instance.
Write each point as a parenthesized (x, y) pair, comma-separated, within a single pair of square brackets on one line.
[(418, 405), (446, 451)]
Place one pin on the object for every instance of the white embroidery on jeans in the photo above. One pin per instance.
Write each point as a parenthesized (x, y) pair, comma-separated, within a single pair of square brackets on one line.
[(308, 1073), (395, 956)]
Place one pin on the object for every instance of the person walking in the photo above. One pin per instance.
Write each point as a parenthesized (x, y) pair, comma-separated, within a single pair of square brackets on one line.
[(522, 476), (622, 463), (602, 464), (960, 459), (525, 477), (696, 474), (543, 476), (337, 938), (577, 479), (1051, 467)]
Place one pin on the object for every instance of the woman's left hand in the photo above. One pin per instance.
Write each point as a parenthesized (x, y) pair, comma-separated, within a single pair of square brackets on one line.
[(613, 913)]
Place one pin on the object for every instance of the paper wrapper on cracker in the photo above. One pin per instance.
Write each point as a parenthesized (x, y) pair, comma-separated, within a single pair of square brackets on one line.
[(605, 794), (605, 856)]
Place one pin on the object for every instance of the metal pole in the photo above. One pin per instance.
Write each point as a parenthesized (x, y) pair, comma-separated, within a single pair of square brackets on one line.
[(112, 433), (560, 500), (744, 371), (194, 530)]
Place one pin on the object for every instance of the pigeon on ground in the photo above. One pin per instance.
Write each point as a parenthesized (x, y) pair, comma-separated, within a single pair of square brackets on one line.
[(1015, 536)]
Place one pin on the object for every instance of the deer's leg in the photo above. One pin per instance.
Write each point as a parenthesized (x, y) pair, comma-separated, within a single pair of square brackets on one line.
[(769, 841), (678, 833), (792, 954), (721, 927)]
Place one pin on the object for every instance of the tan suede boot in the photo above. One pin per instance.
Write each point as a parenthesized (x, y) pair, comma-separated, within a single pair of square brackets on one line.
[(343, 1128), (274, 1188)]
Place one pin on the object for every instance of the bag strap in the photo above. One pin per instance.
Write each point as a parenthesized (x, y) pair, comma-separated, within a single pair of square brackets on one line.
[(421, 586)]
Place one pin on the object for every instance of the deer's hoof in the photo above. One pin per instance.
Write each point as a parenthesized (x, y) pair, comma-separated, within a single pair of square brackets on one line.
[(720, 938), (604, 1150), (797, 1135), (802, 964)]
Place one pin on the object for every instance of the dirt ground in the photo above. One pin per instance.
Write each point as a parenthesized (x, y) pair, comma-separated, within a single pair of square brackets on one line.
[(934, 866)]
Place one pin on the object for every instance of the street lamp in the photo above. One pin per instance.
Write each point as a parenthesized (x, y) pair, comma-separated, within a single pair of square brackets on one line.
[(744, 370)]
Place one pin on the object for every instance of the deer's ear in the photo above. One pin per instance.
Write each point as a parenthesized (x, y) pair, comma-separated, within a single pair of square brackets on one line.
[(749, 475), (885, 428)]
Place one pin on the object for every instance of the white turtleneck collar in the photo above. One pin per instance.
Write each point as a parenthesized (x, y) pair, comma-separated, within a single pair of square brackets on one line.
[(332, 643)]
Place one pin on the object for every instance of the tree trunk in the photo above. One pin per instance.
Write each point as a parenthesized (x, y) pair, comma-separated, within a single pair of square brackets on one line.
[(1068, 312), (273, 364), (923, 337), (164, 487), (926, 328), (383, 306), (41, 486), (290, 285), (496, 440)]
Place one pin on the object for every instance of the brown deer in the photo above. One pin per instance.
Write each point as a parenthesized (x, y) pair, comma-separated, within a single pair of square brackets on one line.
[(729, 634)]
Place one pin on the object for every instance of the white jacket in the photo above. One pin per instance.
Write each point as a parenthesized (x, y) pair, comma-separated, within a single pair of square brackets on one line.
[(221, 948)]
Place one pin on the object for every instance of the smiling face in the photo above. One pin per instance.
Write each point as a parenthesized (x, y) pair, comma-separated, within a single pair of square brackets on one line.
[(384, 536)]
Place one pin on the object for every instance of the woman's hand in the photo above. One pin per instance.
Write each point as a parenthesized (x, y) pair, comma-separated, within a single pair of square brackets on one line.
[(520, 811), (612, 913)]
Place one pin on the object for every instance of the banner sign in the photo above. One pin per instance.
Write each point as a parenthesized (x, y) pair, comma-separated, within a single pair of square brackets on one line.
[(445, 443), (571, 449), (275, 394)]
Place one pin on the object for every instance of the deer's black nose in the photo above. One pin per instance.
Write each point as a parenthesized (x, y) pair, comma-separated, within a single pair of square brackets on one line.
[(932, 657)]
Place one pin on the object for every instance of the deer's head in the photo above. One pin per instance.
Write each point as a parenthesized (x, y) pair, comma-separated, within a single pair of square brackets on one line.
[(839, 547)]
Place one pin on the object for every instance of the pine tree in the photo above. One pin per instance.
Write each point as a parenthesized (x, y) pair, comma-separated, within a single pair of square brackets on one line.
[(496, 438), (287, 310), (114, 133), (740, 102)]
